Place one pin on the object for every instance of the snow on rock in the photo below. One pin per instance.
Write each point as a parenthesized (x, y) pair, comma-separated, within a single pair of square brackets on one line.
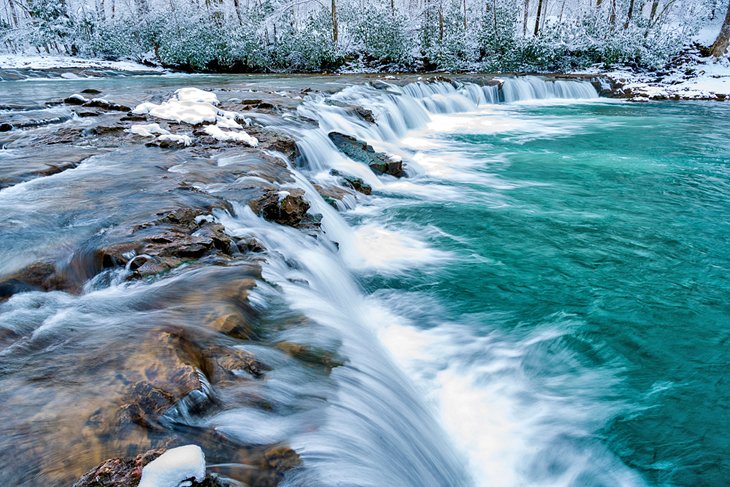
[(174, 467), (196, 106), (148, 130), (163, 135), (196, 95), (699, 78), (178, 139), (216, 132), (16, 61)]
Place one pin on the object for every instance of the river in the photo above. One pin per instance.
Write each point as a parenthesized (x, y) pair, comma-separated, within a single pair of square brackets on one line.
[(541, 301)]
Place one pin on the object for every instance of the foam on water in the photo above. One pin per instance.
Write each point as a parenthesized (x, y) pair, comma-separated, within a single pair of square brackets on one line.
[(512, 425)]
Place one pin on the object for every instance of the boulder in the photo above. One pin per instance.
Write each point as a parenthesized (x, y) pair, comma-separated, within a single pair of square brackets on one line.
[(107, 105), (361, 151), (285, 207)]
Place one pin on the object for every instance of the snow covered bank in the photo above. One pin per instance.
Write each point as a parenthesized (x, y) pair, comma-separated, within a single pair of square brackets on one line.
[(695, 79), (18, 61)]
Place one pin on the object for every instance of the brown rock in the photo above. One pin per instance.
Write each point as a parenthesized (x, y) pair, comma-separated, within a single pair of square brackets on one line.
[(286, 207), (117, 472)]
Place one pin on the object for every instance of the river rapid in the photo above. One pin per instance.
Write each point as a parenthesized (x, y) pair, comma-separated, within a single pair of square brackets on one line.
[(540, 298)]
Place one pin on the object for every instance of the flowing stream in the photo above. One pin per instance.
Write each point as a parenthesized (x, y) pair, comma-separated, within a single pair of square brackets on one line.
[(542, 301)]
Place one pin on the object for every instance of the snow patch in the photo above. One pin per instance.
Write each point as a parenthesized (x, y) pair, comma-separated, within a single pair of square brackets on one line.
[(698, 78), (174, 467), (163, 135), (148, 130), (217, 133), (179, 139), (15, 61)]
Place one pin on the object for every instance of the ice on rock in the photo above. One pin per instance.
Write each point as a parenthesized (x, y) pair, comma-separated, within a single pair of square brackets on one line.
[(174, 467), (196, 106), (148, 130), (216, 132), (189, 105)]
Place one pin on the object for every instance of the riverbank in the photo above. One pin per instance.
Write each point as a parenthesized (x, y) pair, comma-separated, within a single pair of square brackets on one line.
[(689, 77)]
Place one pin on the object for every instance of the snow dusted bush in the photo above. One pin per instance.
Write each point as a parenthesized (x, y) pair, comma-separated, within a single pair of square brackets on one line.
[(285, 35), (380, 36)]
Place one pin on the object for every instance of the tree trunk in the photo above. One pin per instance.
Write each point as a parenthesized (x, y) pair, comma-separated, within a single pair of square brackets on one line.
[(441, 24), (13, 13), (237, 8), (719, 48), (494, 16), (334, 21), (654, 8), (599, 3), (392, 7), (524, 18), (537, 20), (464, 15), (612, 16), (629, 15)]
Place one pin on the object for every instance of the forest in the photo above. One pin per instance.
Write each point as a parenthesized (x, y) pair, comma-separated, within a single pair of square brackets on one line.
[(360, 36)]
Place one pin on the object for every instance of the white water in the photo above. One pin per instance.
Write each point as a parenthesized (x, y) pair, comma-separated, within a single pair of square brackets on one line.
[(420, 407)]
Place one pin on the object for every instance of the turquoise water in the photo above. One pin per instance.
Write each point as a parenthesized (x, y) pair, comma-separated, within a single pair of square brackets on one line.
[(608, 223)]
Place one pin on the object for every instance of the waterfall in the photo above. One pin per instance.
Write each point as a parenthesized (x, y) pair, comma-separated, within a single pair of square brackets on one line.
[(377, 430)]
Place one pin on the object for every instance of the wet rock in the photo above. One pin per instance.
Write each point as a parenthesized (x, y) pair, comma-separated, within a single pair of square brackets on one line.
[(277, 142), (119, 472), (88, 114), (162, 373), (165, 243), (310, 355), (106, 105), (331, 194), (130, 117), (250, 244), (91, 91), (75, 100), (285, 207), (361, 151), (365, 114), (5, 127), (37, 276), (252, 101), (282, 459), (64, 135), (107, 130), (358, 184)]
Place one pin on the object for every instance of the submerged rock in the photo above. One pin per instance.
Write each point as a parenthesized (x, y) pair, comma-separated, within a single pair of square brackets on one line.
[(361, 151)]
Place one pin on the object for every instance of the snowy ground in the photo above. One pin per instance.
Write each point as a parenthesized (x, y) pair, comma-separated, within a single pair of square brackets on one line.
[(17, 61), (696, 78)]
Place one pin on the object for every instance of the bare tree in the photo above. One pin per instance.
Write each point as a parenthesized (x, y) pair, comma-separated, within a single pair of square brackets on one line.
[(13, 13), (537, 20), (719, 48), (526, 14), (334, 22), (237, 8), (629, 15), (654, 8)]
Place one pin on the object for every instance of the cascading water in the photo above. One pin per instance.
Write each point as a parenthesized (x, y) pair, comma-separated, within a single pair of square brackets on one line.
[(378, 429)]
